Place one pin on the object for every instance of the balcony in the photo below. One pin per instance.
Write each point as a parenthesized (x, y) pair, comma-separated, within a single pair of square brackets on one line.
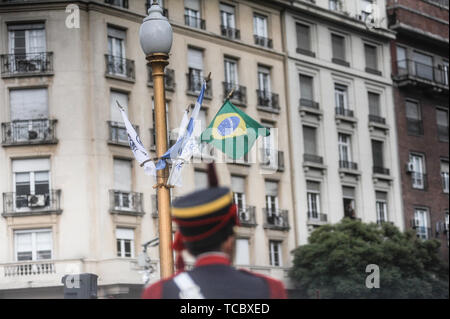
[(247, 216), (262, 41), (268, 101), (27, 64), (244, 161), (414, 126), (194, 22), (230, 33), (381, 170), (442, 131), (311, 158), (118, 133), (348, 165), (272, 159), (316, 218), (340, 62), (445, 182), (305, 52), (239, 96), (377, 119), (276, 219), (29, 132), (413, 73), (148, 4), (169, 78), (309, 104), (31, 204), (119, 68), (194, 85), (340, 111), (126, 203)]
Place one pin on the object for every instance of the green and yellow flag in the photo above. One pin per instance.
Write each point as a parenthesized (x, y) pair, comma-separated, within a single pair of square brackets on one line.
[(232, 131)]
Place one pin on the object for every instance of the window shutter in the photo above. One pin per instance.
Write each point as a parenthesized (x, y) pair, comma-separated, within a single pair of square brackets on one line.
[(31, 165), (238, 184), (444, 167), (306, 87), (381, 196), (123, 100), (117, 33), (227, 8), (313, 186), (242, 252), (412, 110), (29, 104), (374, 104), (125, 233), (371, 56), (192, 4), (338, 45), (303, 37), (377, 153), (271, 188), (43, 241), (23, 242), (122, 175), (309, 140), (26, 26), (348, 192), (200, 179), (195, 59)]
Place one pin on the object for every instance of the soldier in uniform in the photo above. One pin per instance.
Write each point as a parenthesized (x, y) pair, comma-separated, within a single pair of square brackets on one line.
[(206, 220)]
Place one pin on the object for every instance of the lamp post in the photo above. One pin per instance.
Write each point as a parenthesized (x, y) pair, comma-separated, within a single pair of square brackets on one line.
[(155, 35)]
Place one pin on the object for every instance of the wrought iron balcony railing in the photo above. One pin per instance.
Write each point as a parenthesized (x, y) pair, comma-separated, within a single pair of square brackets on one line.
[(239, 94), (273, 159), (418, 180), (194, 85), (313, 158), (344, 112), (231, 33), (276, 219), (414, 126), (377, 119), (31, 204), (305, 52), (262, 41), (381, 170), (348, 165), (118, 133), (26, 64), (340, 62), (169, 78), (424, 73), (316, 216), (309, 104), (29, 132), (268, 101), (247, 216), (194, 22), (126, 202), (119, 67)]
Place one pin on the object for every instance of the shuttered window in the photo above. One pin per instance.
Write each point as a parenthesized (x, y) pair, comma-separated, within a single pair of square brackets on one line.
[(309, 140), (192, 4), (122, 175), (371, 56), (28, 104), (338, 46), (377, 153), (242, 252), (303, 37), (413, 110), (374, 104), (122, 98), (306, 87)]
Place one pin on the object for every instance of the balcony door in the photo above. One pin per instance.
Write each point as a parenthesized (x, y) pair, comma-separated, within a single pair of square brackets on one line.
[(271, 201), (264, 81), (116, 51), (345, 153), (122, 184), (418, 171), (195, 65), (260, 26), (227, 16), (192, 13), (231, 72), (242, 251), (341, 99), (421, 222), (313, 197), (423, 65), (238, 188)]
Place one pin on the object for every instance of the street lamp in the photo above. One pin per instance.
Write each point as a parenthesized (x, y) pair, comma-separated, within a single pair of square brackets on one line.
[(155, 35)]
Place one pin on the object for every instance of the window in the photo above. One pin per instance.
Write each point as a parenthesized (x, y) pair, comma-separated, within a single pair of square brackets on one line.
[(242, 252), (313, 195), (377, 156), (304, 39), (195, 65), (371, 59), (238, 188), (122, 184), (414, 118), (27, 39), (117, 64), (335, 5), (444, 70), (401, 60), (344, 144), (423, 66), (418, 171), (120, 3), (227, 16), (341, 98), (33, 244), (200, 179), (442, 124), (421, 223), (31, 182), (338, 49), (118, 131), (268, 143), (125, 242), (349, 202), (231, 74), (306, 90), (271, 197), (381, 206), (275, 253), (309, 140), (374, 104), (446, 227), (264, 79), (260, 26), (192, 14), (444, 175)]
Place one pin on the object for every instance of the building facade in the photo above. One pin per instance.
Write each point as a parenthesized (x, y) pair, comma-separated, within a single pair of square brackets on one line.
[(420, 73), (341, 114), (74, 199)]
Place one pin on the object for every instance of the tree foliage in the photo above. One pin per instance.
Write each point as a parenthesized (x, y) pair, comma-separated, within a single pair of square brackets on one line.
[(333, 264)]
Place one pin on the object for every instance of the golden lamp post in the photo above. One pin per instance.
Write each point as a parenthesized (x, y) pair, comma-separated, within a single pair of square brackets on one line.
[(155, 36)]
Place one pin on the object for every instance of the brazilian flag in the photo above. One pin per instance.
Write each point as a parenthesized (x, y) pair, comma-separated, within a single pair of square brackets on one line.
[(232, 131)]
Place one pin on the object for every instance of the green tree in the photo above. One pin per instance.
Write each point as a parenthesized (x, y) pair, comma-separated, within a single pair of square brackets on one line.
[(333, 264)]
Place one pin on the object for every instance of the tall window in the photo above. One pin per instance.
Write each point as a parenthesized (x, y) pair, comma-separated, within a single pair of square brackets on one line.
[(377, 156), (423, 65), (418, 171), (31, 182), (271, 200), (238, 188), (401, 60), (374, 104), (264, 79), (341, 97), (414, 118), (275, 253), (444, 176), (306, 90), (195, 65), (338, 49), (228, 20), (33, 244), (304, 39), (313, 195), (421, 223), (381, 205), (122, 184), (242, 252), (371, 58), (192, 13), (344, 144), (260, 26), (349, 202), (26, 39), (309, 140), (442, 124), (200, 179), (268, 143), (116, 51), (231, 73), (118, 131), (334, 5), (125, 242)]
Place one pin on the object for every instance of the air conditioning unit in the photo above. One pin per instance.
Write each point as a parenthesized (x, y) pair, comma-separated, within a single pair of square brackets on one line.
[(409, 167), (36, 200), (32, 135)]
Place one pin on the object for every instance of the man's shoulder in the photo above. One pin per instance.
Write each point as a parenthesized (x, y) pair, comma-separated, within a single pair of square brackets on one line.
[(155, 290), (276, 287)]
